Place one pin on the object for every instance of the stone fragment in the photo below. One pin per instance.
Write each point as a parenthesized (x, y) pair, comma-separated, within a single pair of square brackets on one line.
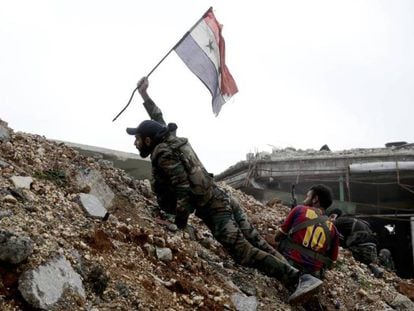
[(172, 227), (92, 205), (4, 132), (243, 302), (149, 249), (45, 285), (164, 254), (95, 183), (401, 302), (14, 248), (22, 181), (160, 242), (10, 199), (5, 213), (3, 164)]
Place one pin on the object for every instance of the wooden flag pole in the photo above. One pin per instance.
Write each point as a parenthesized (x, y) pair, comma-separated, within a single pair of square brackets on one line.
[(162, 59)]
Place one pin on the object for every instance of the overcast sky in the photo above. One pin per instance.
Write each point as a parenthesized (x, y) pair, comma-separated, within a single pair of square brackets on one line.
[(309, 73)]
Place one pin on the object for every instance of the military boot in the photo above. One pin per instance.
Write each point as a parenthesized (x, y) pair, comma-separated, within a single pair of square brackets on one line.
[(307, 286)]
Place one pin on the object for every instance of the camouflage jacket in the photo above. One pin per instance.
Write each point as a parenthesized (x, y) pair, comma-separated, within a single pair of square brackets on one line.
[(154, 111), (180, 180)]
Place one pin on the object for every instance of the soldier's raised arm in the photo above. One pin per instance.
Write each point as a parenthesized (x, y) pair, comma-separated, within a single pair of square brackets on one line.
[(152, 109)]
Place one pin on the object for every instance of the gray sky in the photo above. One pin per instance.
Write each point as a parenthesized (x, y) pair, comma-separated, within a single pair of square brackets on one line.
[(309, 73)]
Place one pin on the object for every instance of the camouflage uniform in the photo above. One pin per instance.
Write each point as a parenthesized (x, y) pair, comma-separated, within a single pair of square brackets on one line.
[(358, 237), (154, 111), (182, 186), (385, 259)]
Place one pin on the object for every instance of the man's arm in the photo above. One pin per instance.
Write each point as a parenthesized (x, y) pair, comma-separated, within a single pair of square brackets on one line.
[(152, 109)]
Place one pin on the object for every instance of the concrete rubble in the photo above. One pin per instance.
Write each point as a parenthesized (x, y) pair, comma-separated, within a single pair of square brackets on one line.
[(45, 285), (14, 248), (135, 259), (92, 205)]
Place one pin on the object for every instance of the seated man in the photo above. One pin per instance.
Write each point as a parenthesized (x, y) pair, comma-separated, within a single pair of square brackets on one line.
[(307, 238)]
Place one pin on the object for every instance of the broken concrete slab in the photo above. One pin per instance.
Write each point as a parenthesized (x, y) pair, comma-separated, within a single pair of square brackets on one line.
[(243, 302), (45, 285), (98, 187), (22, 181), (92, 205), (14, 248)]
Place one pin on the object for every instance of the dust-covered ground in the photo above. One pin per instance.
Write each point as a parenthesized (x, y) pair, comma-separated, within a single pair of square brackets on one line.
[(135, 259)]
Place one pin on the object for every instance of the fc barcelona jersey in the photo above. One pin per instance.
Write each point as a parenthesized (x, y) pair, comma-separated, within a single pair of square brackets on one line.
[(312, 237)]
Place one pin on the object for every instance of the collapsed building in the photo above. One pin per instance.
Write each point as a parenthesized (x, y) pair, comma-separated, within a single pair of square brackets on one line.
[(376, 184)]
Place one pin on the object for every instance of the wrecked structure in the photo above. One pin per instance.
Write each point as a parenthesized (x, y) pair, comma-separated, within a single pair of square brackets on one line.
[(375, 184)]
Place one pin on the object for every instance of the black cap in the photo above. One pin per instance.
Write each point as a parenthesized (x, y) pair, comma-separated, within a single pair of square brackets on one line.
[(147, 128)]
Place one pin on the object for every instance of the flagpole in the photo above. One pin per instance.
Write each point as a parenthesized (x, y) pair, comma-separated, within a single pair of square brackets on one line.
[(162, 59)]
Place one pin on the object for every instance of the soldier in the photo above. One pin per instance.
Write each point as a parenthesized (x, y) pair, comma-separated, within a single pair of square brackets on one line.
[(183, 186), (357, 236), (385, 259)]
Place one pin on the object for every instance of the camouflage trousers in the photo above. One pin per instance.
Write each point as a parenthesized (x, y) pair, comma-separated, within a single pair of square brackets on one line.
[(365, 252), (230, 226)]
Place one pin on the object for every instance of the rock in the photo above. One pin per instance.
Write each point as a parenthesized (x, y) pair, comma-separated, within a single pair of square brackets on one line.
[(4, 132), (160, 242), (244, 285), (122, 289), (172, 227), (45, 285), (3, 164), (401, 302), (94, 182), (207, 242), (92, 205), (243, 302), (149, 249), (5, 213), (14, 248), (146, 188), (164, 254), (10, 199), (22, 181)]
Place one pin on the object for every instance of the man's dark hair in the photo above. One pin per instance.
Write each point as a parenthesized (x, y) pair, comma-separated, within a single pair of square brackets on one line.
[(324, 194)]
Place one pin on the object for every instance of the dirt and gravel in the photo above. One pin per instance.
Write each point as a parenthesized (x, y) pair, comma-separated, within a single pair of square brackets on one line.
[(135, 259)]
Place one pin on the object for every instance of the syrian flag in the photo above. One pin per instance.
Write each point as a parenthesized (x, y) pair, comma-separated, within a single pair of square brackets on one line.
[(202, 49)]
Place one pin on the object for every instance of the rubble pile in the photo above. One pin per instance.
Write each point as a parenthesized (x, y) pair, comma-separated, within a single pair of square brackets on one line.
[(78, 234)]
